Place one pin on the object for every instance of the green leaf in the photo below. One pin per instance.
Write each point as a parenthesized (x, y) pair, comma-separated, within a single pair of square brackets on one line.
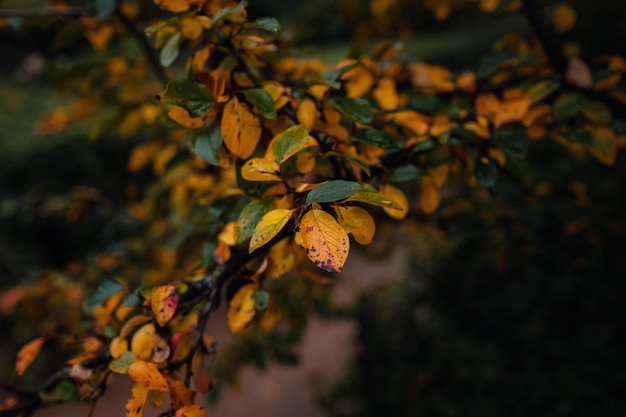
[(541, 90), (63, 392), (104, 8), (598, 112), (356, 161), (372, 197), (491, 62), (170, 50), (249, 217), (569, 105), (262, 101), (426, 103), (134, 299), (406, 173), (267, 24), (194, 97), (208, 144), (356, 109), (208, 261), (220, 14), (122, 363), (427, 145), (106, 289), (261, 300), (513, 142), (332, 191), (579, 135), (377, 138), (487, 174), (289, 143)]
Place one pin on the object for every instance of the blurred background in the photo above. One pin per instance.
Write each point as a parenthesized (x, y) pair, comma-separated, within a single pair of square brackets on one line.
[(513, 306)]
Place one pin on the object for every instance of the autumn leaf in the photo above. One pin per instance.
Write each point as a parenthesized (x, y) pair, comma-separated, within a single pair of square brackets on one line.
[(240, 128), (281, 259), (137, 401), (325, 242), (288, 143), (358, 222), (193, 410), (248, 219), (164, 303), (180, 394), (147, 374), (176, 6), (307, 113), (117, 346), (394, 194), (143, 341), (429, 196), (123, 362), (241, 308), (385, 94), (27, 354), (564, 17), (269, 226), (261, 169)]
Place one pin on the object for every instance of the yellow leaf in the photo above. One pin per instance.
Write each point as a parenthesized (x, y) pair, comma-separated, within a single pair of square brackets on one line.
[(487, 105), (181, 116), (27, 354), (137, 401), (181, 395), (466, 81), (358, 221), (307, 113), (141, 155), (176, 6), (429, 196), (385, 94), (261, 169), (164, 303), (497, 155), (241, 308), (118, 346), (240, 128), (397, 196), (326, 243), (358, 81), (269, 226), (191, 28), (157, 399), (564, 17), (143, 341), (193, 410), (439, 173), (163, 158), (281, 259), (512, 111), (148, 375)]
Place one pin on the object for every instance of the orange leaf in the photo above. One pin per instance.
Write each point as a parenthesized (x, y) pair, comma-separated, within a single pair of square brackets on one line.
[(269, 226), (397, 196), (147, 374), (181, 395), (326, 243), (564, 17), (137, 401), (193, 410), (240, 128), (164, 303), (358, 221), (27, 354), (489, 5), (385, 94), (512, 111), (261, 169), (241, 308), (176, 6), (307, 112), (430, 196), (181, 116)]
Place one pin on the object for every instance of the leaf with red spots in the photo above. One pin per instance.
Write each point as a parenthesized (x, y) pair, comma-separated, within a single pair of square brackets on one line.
[(164, 303), (137, 401), (146, 373), (326, 243), (27, 355)]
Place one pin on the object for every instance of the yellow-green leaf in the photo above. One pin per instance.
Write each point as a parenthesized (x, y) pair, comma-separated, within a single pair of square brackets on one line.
[(260, 169), (269, 226), (241, 129), (164, 303), (137, 402), (326, 243), (358, 222), (147, 374), (397, 196), (248, 219), (241, 308), (289, 142)]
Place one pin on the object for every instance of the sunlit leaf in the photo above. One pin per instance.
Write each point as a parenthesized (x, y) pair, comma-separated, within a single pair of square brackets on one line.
[(358, 222), (261, 169), (249, 218), (137, 402), (262, 101), (164, 302), (332, 191), (289, 142), (147, 374), (401, 208), (325, 242), (241, 308), (356, 109), (27, 354), (269, 226), (240, 128), (190, 95)]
